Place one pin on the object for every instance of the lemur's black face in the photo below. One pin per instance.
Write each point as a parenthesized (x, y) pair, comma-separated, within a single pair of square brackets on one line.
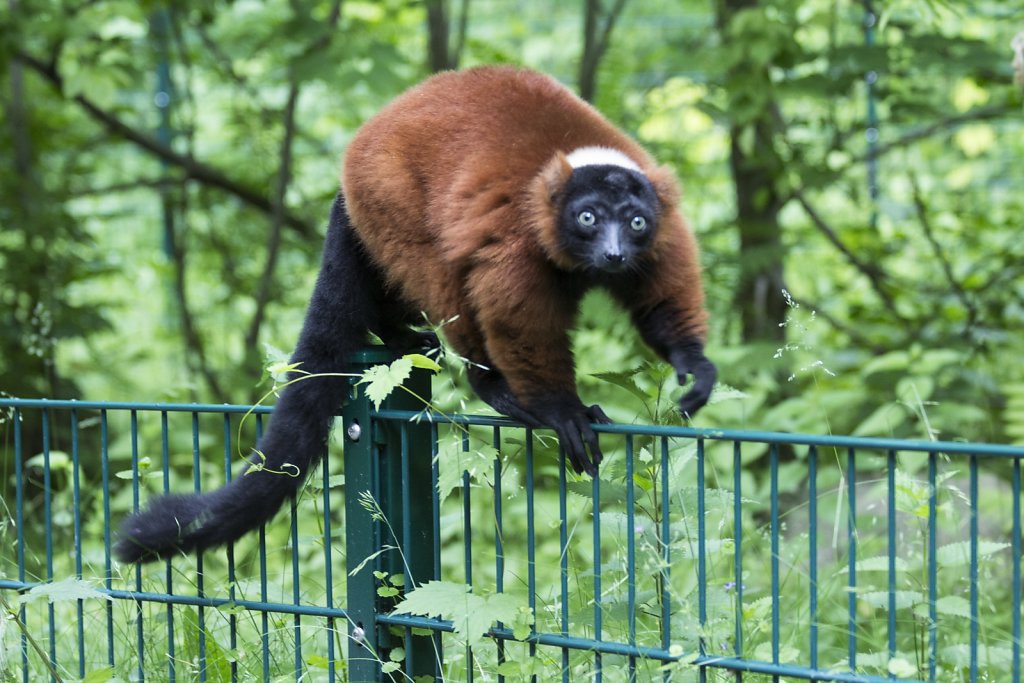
[(608, 218)]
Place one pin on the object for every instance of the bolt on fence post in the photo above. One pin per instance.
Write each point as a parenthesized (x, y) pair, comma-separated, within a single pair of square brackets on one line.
[(374, 463)]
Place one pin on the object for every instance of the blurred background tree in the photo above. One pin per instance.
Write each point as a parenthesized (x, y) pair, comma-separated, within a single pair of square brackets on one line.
[(853, 174)]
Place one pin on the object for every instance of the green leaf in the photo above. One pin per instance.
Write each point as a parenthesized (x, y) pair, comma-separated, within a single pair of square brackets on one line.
[(952, 605), (59, 460), (625, 380), (522, 625), (277, 363), (418, 360), (511, 667), (988, 656), (397, 654), (894, 361), (99, 675), (381, 380), (902, 668), (877, 564), (218, 666), (723, 392), (472, 615), (435, 599), (317, 662), (389, 667), (882, 422), (65, 590), (880, 599), (787, 653), (958, 554), (453, 461)]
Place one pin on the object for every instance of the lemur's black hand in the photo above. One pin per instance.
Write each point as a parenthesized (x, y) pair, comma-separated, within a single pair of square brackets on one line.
[(571, 420), (690, 360)]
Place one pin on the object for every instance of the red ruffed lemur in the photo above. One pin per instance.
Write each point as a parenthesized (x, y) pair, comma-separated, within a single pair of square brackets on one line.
[(494, 198)]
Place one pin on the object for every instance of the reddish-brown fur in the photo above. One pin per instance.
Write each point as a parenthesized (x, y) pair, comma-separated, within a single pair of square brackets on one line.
[(451, 189)]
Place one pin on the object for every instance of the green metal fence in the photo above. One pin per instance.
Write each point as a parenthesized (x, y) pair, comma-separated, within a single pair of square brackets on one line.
[(697, 555)]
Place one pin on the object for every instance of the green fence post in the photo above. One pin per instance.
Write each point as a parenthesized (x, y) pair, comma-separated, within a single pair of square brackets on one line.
[(380, 460)]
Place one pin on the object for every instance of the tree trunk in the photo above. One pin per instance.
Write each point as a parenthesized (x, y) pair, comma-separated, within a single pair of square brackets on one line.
[(597, 32), (439, 57), (759, 290), (756, 170)]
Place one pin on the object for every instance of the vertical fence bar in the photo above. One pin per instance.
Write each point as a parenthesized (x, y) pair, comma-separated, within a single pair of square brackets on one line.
[(382, 458), (702, 573), (737, 521), (630, 555), (140, 635), (598, 613), (261, 547), (812, 550), (200, 574), (404, 459), (403, 434), (467, 545), (851, 500), (666, 556), (406, 494), (76, 490), (435, 513), (499, 549), (933, 570), (435, 475), (325, 501), (531, 544), (296, 589), (773, 463), (891, 513), (1016, 549), (232, 617), (165, 457), (19, 516), (48, 533), (467, 535), (360, 542), (974, 568), (563, 561), (108, 573)]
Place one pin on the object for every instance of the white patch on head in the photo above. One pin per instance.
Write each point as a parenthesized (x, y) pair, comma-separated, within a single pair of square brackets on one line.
[(601, 156)]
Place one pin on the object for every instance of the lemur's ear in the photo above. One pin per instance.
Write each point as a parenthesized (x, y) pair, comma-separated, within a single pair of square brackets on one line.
[(665, 186), (555, 175)]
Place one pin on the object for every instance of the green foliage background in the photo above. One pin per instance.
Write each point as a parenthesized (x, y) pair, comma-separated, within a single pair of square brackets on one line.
[(151, 252), (166, 171)]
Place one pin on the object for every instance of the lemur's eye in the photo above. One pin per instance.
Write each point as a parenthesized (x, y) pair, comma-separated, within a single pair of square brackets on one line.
[(638, 223), (586, 218)]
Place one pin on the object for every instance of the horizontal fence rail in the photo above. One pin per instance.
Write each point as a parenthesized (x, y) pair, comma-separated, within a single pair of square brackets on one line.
[(696, 554)]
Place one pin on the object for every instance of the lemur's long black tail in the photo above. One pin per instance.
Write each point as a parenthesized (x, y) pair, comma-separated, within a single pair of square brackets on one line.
[(340, 312)]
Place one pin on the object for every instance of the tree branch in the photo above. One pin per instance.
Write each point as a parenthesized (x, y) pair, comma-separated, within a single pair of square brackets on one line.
[(947, 268), (438, 52), (192, 167), (193, 340), (595, 44), (460, 35), (869, 270), (284, 175), (265, 288), (982, 114)]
